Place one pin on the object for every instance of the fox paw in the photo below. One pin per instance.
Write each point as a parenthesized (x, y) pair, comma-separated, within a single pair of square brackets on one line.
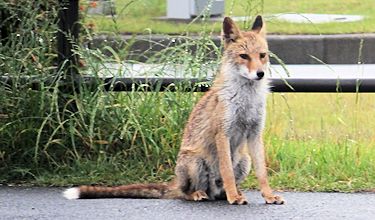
[(238, 200), (274, 199), (199, 196)]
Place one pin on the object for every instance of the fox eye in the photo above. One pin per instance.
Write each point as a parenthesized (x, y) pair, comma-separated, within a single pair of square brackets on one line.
[(262, 55), (244, 56)]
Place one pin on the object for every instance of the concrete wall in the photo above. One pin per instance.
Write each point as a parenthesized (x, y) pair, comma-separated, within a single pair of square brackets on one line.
[(292, 49)]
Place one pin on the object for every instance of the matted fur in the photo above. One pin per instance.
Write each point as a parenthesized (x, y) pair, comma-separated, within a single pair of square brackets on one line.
[(223, 131)]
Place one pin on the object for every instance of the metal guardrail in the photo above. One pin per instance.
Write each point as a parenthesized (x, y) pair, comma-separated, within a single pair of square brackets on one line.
[(323, 85), (276, 84), (120, 84)]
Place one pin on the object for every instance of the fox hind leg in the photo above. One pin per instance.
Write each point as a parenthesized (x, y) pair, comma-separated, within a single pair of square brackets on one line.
[(192, 178)]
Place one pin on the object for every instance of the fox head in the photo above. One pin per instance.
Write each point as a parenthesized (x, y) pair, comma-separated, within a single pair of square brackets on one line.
[(245, 51)]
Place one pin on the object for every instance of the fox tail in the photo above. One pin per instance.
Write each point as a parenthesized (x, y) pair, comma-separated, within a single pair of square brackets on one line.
[(146, 191)]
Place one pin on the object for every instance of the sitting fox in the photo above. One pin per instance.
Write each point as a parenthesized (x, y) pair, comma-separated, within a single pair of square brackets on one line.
[(224, 128)]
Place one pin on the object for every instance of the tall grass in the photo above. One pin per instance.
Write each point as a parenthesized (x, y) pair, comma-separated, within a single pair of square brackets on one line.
[(314, 141), (28, 50), (127, 132)]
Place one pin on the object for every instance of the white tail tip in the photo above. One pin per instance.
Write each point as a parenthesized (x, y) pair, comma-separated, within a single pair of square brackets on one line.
[(71, 193)]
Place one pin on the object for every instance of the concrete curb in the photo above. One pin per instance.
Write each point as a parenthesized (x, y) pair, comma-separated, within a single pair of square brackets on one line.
[(330, 49), (291, 49)]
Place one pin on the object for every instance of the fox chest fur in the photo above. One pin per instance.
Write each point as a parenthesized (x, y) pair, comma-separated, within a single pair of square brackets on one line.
[(244, 114)]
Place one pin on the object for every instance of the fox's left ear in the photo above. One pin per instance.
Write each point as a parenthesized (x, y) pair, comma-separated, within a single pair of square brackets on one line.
[(259, 26)]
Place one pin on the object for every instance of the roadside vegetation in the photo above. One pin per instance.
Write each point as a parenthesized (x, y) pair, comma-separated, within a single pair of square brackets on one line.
[(320, 142), (140, 16)]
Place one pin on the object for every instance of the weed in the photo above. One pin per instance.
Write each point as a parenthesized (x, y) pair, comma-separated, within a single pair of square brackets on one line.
[(314, 141)]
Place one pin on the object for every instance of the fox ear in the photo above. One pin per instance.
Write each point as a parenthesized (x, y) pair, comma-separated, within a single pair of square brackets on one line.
[(259, 26), (230, 31)]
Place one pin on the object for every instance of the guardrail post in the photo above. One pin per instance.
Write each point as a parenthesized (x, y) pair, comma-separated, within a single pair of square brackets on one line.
[(67, 38)]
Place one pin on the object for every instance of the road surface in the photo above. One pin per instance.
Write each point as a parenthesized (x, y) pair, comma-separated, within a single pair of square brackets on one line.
[(47, 203)]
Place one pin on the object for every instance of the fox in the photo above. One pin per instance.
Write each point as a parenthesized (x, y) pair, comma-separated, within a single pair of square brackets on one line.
[(223, 134)]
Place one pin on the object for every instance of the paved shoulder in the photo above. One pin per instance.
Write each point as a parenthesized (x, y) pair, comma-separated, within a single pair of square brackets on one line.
[(47, 203)]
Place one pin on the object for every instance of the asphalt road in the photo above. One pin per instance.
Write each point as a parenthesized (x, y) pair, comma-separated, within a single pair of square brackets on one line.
[(47, 203)]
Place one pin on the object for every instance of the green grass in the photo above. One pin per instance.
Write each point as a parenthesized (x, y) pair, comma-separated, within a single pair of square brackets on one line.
[(137, 16), (315, 142), (321, 141)]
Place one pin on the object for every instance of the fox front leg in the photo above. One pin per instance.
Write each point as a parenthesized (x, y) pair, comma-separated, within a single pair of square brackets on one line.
[(226, 170), (256, 149)]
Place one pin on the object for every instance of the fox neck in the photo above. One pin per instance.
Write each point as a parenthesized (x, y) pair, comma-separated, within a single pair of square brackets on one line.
[(230, 79)]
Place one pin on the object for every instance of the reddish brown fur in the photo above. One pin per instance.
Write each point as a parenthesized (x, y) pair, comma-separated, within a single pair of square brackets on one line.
[(151, 191), (206, 155)]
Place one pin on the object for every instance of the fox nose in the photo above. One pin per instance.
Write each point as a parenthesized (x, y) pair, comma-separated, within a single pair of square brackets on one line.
[(260, 74)]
